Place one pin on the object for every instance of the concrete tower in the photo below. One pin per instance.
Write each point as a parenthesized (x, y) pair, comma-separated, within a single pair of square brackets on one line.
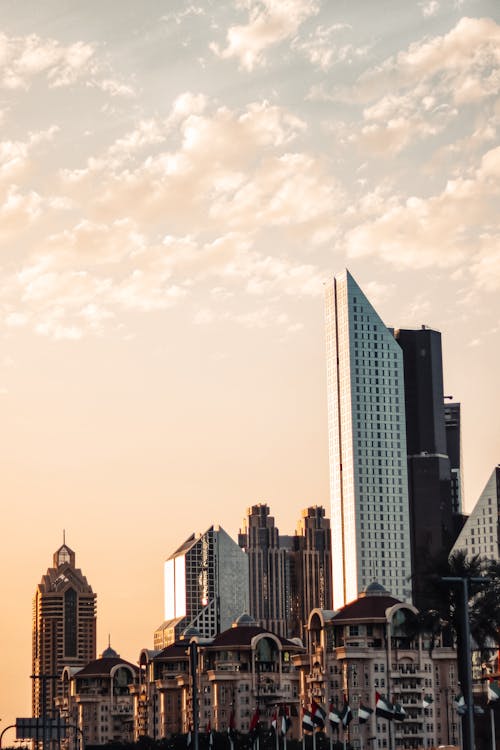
[(64, 628)]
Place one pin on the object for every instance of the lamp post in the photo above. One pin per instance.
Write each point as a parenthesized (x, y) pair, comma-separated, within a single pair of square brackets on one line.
[(468, 725), (193, 664)]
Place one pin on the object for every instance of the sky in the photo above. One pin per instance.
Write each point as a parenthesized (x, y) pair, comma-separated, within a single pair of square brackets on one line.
[(177, 183)]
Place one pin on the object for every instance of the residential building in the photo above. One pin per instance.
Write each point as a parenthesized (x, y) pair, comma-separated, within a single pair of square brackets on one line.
[(480, 534), (375, 645), (266, 569), (206, 586), (429, 477), (63, 628), (367, 447), (243, 668), (97, 700)]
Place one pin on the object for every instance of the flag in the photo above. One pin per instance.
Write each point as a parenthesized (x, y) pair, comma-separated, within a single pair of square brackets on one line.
[(334, 718), (493, 691), (210, 735), (364, 713), (274, 720), (318, 715), (307, 722), (286, 722), (460, 705), (346, 714), (383, 708), (254, 723), (427, 700), (399, 712)]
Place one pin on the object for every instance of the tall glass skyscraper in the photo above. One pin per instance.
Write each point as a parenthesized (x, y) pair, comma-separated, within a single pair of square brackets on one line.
[(367, 447)]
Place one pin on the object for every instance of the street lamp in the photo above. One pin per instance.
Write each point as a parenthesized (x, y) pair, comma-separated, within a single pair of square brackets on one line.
[(468, 734)]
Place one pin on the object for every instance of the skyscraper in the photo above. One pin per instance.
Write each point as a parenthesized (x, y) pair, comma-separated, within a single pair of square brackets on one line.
[(310, 568), (267, 562), (64, 628), (367, 447), (206, 586), (432, 530)]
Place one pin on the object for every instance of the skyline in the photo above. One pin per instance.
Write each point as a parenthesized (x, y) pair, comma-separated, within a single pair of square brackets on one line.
[(177, 183)]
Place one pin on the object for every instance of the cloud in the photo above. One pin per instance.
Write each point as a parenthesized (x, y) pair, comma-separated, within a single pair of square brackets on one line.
[(464, 63), (429, 83), (26, 58), (211, 169), (443, 230), (429, 8), (269, 22), (322, 51)]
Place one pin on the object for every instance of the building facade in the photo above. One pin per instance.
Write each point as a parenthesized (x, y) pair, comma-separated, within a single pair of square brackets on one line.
[(432, 527), (267, 562), (454, 449), (480, 533), (97, 700), (367, 447), (310, 569), (239, 670), (63, 629), (374, 645), (206, 586)]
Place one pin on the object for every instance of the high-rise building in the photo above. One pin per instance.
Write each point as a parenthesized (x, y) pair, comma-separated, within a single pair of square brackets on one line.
[(267, 569), (206, 586), (64, 628), (432, 529), (367, 447), (454, 450), (309, 569), (480, 534)]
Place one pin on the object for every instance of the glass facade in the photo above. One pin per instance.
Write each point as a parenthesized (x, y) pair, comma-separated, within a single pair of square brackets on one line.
[(367, 447)]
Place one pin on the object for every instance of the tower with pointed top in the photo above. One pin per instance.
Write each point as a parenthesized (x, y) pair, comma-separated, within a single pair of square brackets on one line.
[(367, 447), (63, 629)]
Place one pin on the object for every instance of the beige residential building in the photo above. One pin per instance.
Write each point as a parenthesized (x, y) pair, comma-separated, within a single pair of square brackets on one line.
[(373, 645), (240, 669), (97, 699)]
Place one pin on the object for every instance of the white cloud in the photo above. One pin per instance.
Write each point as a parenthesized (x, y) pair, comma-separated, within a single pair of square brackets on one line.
[(444, 230), (429, 83), (429, 8), (269, 22), (322, 51), (25, 58)]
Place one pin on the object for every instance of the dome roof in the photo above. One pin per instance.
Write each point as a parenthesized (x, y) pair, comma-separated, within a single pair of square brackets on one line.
[(109, 653), (375, 589), (244, 620)]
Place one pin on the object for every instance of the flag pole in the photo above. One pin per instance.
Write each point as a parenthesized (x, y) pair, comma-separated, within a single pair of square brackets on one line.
[(492, 724)]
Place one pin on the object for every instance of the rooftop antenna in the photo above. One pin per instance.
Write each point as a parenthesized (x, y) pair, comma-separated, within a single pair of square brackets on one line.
[(64, 536)]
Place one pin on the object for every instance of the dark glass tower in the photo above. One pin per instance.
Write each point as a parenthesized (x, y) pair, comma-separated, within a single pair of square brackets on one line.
[(429, 474)]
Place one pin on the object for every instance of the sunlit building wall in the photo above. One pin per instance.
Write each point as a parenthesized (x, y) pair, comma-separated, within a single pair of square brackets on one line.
[(367, 447), (206, 586)]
